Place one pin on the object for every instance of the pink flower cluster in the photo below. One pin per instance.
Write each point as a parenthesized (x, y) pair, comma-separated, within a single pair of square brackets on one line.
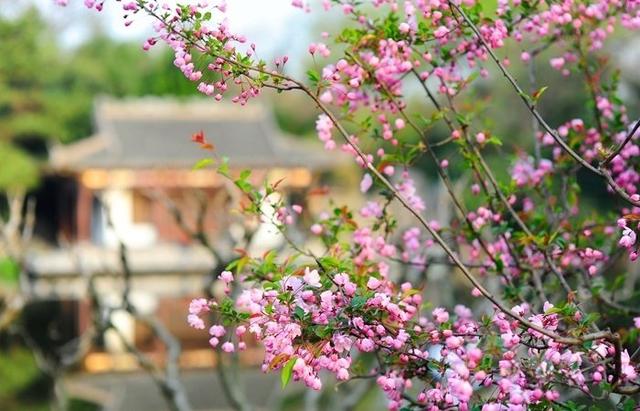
[(524, 173)]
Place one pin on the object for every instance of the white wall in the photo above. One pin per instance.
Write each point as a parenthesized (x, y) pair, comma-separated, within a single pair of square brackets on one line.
[(119, 203)]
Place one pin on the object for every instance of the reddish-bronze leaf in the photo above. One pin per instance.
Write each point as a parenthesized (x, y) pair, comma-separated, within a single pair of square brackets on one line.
[(198, 137), (277, 183)]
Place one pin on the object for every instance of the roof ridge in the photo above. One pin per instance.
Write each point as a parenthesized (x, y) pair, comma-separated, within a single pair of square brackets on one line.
[(64, 154), (155, 107)]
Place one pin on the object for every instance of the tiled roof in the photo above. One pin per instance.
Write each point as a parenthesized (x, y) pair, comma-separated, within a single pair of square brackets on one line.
[(156, 132)]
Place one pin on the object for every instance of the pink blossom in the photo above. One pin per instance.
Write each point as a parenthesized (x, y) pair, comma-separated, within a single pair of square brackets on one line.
[(311, 277), (228, 347), (342, 374), (628, 238), (373, 283), (195, 322), (366, 183), (217, 331), (226, 276), (440, 315), (316, 229), (557, 63), (198, 306)]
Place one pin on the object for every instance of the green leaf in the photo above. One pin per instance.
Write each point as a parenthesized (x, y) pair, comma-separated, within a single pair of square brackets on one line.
[(322, 331), (313, 76), (9, 271), (244, 174), (287, 370), (487, 362), (358, 301), (203, 163), (617, 283), (526, 97), (629, 405), (494, 140), (553, 310), (232, 265), (461, 119), (244, 186), (538, 93), (299, 313), (224, 167), (269, 309)]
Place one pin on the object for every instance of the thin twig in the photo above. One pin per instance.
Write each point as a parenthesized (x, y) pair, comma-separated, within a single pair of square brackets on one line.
[(618, 149), (600, 170)]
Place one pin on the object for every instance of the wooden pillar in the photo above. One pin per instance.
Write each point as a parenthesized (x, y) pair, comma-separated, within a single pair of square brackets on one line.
[(83, 315), (84, 208)]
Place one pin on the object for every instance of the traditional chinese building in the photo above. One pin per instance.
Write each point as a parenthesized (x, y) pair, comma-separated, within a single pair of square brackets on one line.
[(121, 185)]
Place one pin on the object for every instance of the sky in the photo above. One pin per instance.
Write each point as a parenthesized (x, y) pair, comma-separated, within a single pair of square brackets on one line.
[(275, 26)]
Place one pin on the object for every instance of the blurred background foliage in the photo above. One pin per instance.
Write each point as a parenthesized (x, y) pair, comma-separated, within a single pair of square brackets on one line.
[(46, 97), (21, 381)]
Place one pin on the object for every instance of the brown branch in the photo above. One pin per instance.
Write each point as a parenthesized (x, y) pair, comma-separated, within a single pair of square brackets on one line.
[(618, 149)]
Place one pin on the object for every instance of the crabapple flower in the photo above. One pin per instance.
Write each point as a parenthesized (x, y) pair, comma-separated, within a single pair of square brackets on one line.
[(628, 238), (198, 306), (195, 322), (557, 63), (217, 331), (366, 183), (316, 229), (373, 283), (440, 315), (226, 276), (311, 277)]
